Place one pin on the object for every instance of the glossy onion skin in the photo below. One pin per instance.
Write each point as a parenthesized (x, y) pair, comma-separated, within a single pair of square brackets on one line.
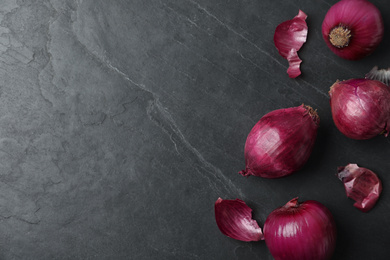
[(366, 25), (360, 108), (281, 142), (300, 231)]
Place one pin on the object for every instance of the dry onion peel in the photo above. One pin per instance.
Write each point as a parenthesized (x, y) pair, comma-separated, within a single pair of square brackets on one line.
[(361, 185), (288, 38), (234, 219)]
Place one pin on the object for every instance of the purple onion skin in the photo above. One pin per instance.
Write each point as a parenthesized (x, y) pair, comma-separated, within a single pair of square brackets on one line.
[(300, 231), (281, 142), (234, 219), (360, 108), (288, 38), (362, 19), (362, 185)]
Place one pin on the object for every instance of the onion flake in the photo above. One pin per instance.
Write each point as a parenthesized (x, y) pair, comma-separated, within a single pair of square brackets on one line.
[(361, 184), (234, 219), (288, 38)]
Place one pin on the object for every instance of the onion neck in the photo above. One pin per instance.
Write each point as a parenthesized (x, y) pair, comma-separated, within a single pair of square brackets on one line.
[(333, 87), (340, 36), (313, 113), (292, 203)]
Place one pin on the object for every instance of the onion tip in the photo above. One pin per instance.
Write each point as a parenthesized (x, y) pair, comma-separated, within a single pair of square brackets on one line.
[(245, 173), (292, 203), (313, 113)]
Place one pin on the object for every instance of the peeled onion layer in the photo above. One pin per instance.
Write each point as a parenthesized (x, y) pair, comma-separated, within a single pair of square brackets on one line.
[(234, 219), (360, 108), (281, 142), (353, 29), (361, 185), (300, 231), (288, 38)]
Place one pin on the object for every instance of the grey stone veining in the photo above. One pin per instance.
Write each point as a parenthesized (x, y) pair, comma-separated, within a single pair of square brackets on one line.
[(122, 122)]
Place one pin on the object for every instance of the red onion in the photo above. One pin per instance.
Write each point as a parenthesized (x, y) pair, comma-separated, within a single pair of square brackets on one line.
[(352, 29), (234, 219), (289, 38), (300, 231), (281, 142), (360, 108), (361, 185)]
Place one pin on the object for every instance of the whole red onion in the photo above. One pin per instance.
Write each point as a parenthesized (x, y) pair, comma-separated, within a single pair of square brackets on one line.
[(352, 29), (360, 108), (300, 231), (281, 142)]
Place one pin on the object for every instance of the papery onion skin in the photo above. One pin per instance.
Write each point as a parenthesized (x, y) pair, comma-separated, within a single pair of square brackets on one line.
[(300, 231), (363, 22), (288, 38), (234, 219), (361, 185), (281, 142), (360, 108)]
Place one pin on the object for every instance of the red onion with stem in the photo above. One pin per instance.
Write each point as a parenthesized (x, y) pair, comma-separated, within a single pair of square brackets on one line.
[(288, 38), (300, 231), (281, 142), (360, 108), (361, 185), (352, 29)]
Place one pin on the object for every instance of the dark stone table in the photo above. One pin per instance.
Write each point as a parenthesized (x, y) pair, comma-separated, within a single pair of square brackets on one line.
[(122, 122)]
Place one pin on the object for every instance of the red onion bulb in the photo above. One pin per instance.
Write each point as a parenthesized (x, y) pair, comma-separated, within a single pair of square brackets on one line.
[(300, 231), (360, 108), (281, 142), (352, 29)]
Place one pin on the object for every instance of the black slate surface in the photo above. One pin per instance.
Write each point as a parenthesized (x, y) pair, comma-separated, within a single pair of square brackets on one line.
[(122, 122)]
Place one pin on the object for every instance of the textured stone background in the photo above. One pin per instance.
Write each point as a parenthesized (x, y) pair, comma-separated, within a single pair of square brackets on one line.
[(122, 122)]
